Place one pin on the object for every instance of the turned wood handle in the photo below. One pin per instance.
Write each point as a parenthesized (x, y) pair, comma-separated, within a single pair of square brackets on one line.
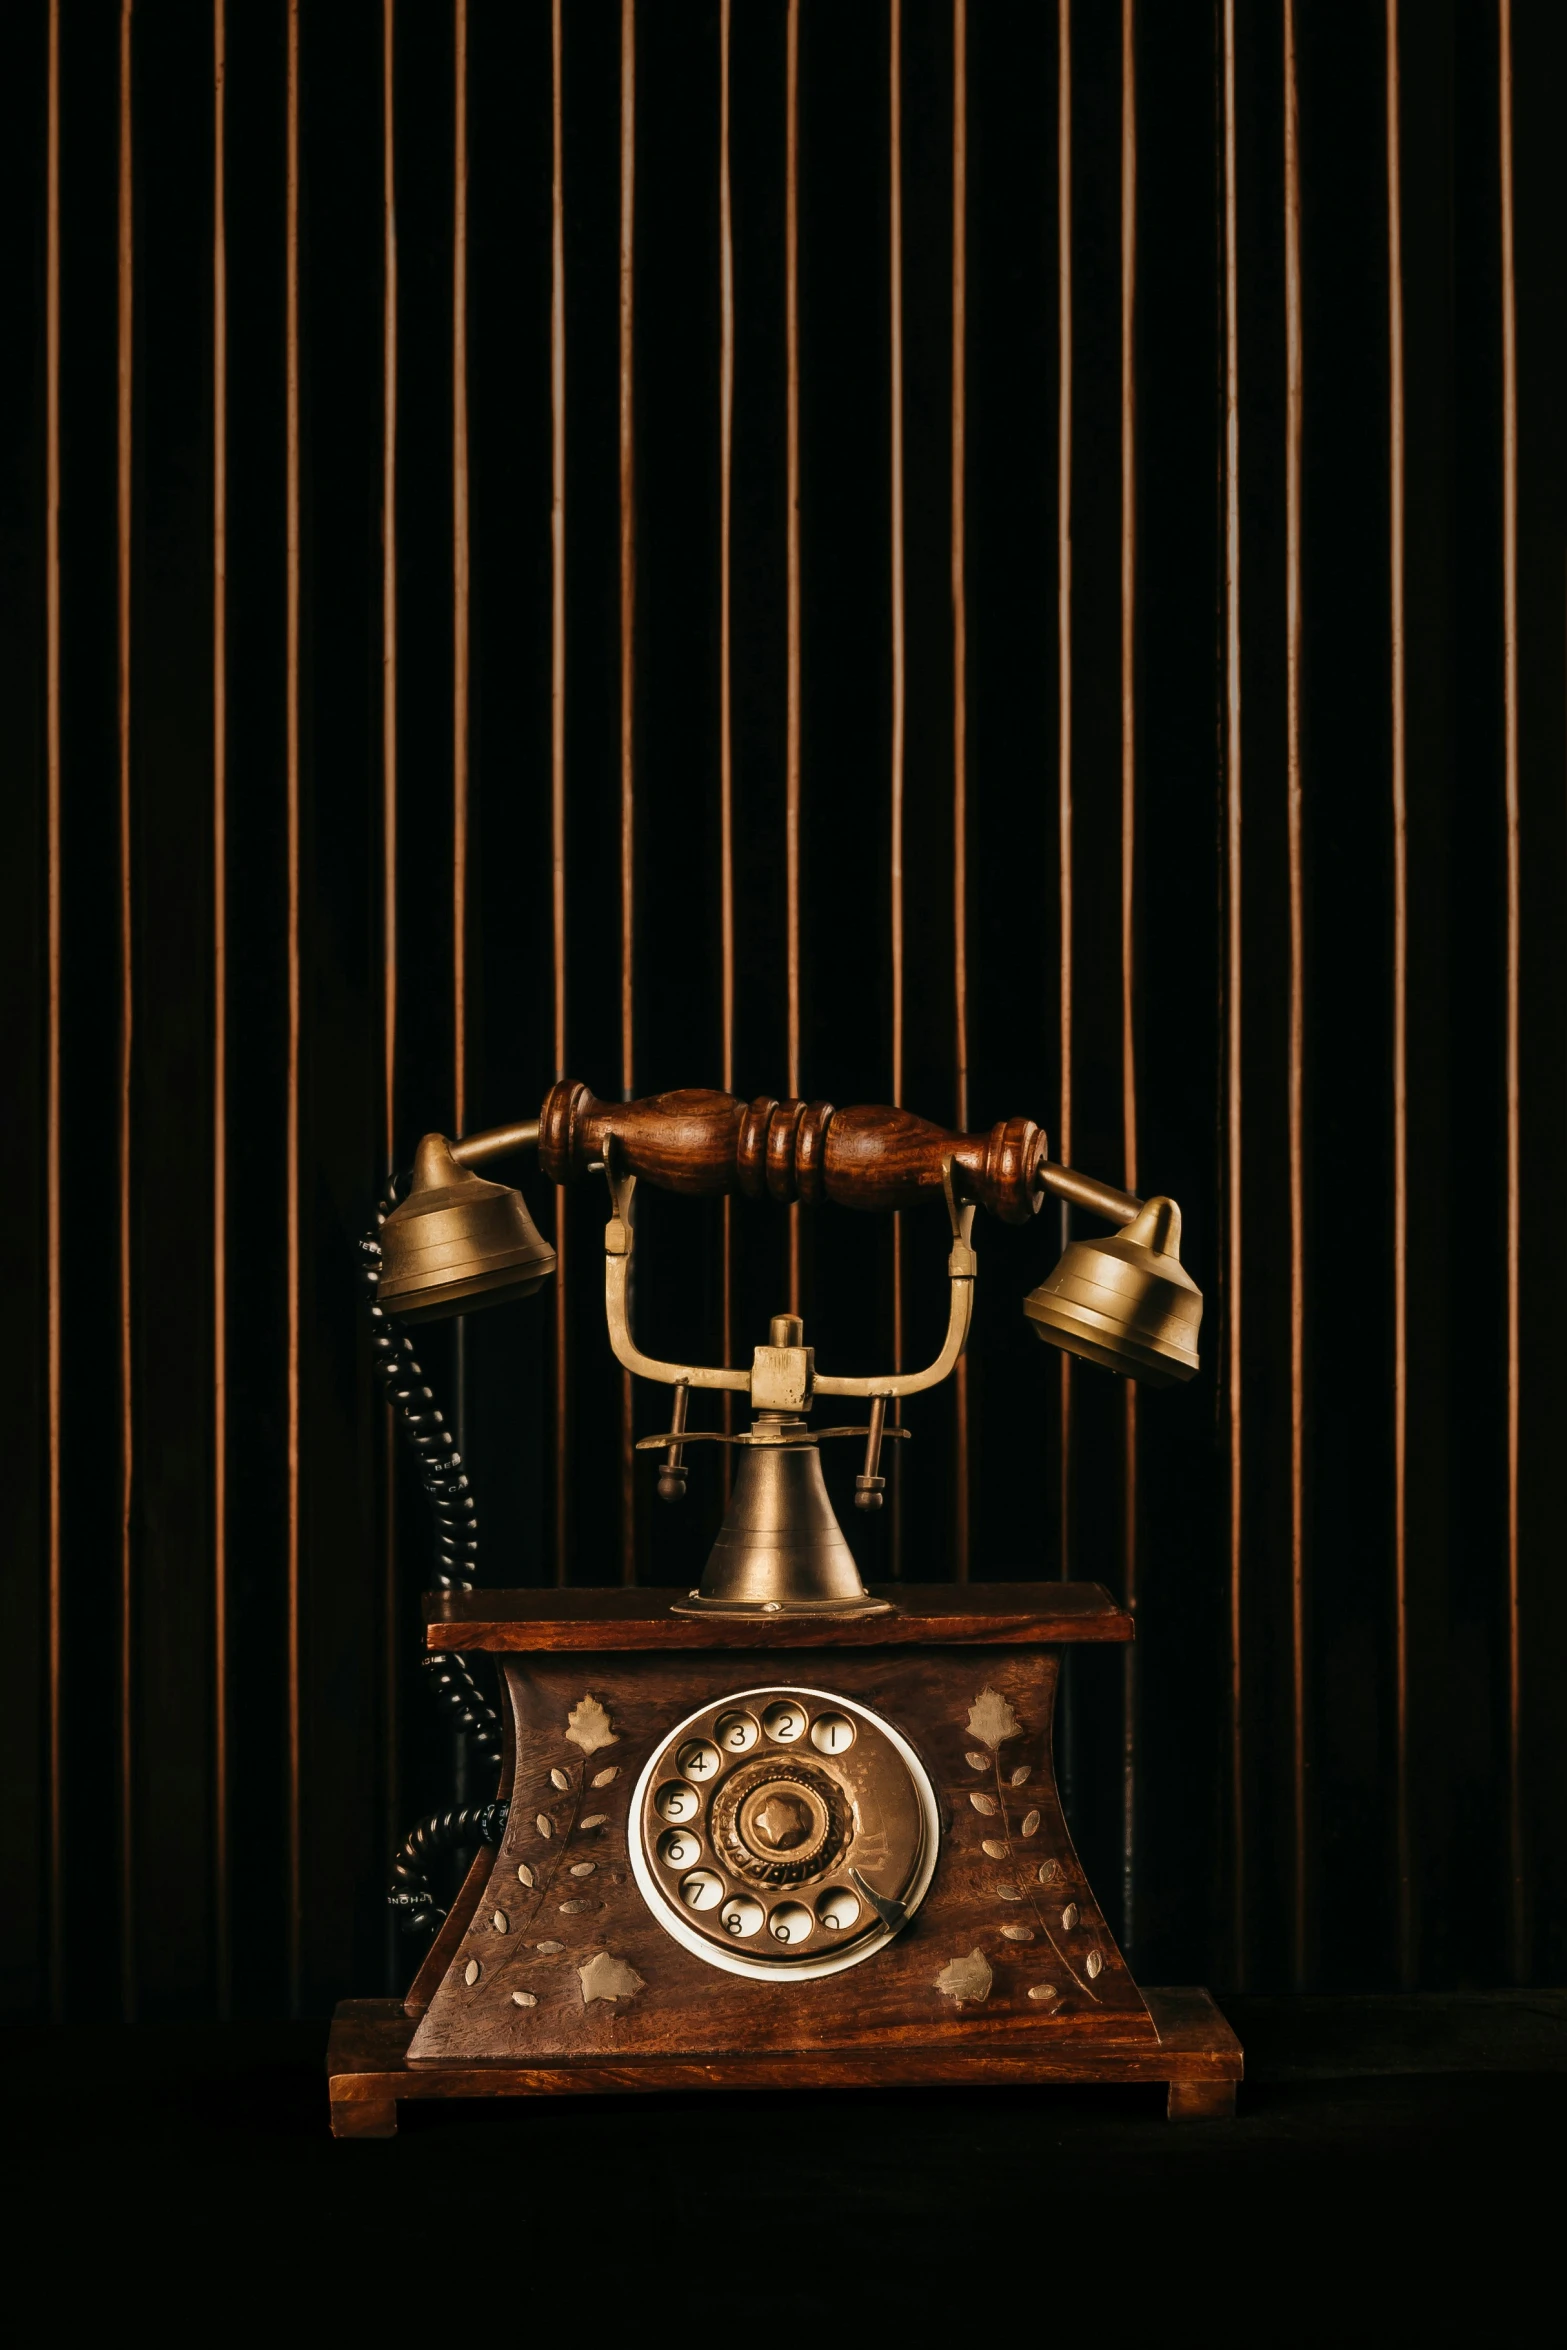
[(700, 1142)]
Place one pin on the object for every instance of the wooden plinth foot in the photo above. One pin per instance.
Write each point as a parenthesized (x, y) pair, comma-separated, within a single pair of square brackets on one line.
[(364, 2117), (1201, 2101)]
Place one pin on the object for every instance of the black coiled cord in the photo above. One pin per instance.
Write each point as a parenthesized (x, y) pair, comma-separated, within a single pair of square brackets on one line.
[(475, 1823), (445, 1485)]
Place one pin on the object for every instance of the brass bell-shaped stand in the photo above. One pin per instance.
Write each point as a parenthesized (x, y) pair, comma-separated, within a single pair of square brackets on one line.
[(458, 1242), (781, 1550), (1127, 1303)]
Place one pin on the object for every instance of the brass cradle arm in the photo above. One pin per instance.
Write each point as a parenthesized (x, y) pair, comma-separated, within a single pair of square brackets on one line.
[(620, 1242)]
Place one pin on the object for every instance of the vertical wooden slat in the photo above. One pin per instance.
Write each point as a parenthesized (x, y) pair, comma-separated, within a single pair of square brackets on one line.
[(127, 1629), (222, 1890), (391, 1627), (1129, 1493), (1517, 1904), (628, 614), (1232, 989), (55, 1043), (792, 464), (1294, 393), (1395, 336), (1064, 689), (294, 1924), (960, 704), (899, 687), (726, 820), (558, 747), (460, 577)]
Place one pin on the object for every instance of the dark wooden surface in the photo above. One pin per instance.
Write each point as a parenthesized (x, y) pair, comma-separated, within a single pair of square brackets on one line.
[(532, 1934), (612, 1618), (872, 1156), (1195, 2053)]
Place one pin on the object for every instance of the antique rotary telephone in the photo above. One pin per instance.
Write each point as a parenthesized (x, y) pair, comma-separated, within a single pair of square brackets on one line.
[(781, 1775)]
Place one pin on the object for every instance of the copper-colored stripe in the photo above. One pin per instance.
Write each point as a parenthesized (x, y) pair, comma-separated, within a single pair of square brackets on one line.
[(295, 1917), (1293, 447), (726, 837), (388, 586), (558, 741), (52, 1107), (899, 684), (792, 764), (391, 1631), (899, 612), (1129, 1494), (1395, 332), (628, 614), (1064, 691), (726, 420), (127, 1789), (1232, 872), (460, 577), (223, 1916), (1518, 1906), (960, 698)]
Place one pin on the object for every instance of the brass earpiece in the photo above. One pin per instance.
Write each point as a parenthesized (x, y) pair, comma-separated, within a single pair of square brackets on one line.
[(1127, 1302), (458, 1242)]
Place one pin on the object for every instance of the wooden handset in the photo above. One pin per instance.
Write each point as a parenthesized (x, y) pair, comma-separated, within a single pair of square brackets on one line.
[(700, 1142)]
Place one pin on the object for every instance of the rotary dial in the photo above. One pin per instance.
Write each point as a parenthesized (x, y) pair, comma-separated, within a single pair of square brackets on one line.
[(784, 1829)]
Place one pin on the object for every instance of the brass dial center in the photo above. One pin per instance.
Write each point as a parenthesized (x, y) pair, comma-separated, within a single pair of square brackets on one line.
[(780, 1822)]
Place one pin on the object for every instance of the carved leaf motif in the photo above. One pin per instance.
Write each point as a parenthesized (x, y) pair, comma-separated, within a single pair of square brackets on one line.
[(574, 1909), (544, 1824), (549, 1949), (607, 1977), (587, 1726), (1031, 1823), (560, 1780), (1009, 1893), (524, 1999), (1018, 1933), (583, 1868), (977, 1762), (985, 1804), (966, 1978), (991, 1719), (501, 1922), (1069, 1917), (995, 1850), (1092, 1964), (1050, 1872), (603, 1778), (471, 1972), (1043, 1991), (1022, 1775), (595, 1819), (524, 1873)]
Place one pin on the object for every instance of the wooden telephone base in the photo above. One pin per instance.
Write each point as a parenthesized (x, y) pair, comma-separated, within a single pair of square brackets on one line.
[(558, 1972)]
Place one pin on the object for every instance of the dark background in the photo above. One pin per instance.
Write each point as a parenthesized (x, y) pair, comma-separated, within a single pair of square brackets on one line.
[(142, 1913)]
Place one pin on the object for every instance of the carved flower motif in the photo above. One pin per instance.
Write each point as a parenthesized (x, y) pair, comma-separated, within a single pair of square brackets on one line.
[(607, 1977), (587, 1726), (966, 1978), (991, 1719)]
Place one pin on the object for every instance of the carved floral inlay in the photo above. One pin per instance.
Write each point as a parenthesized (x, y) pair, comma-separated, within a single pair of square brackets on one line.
[(559, 1869), (966, 1978), (588, 1726), (608, 1977), (992, 1720)]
